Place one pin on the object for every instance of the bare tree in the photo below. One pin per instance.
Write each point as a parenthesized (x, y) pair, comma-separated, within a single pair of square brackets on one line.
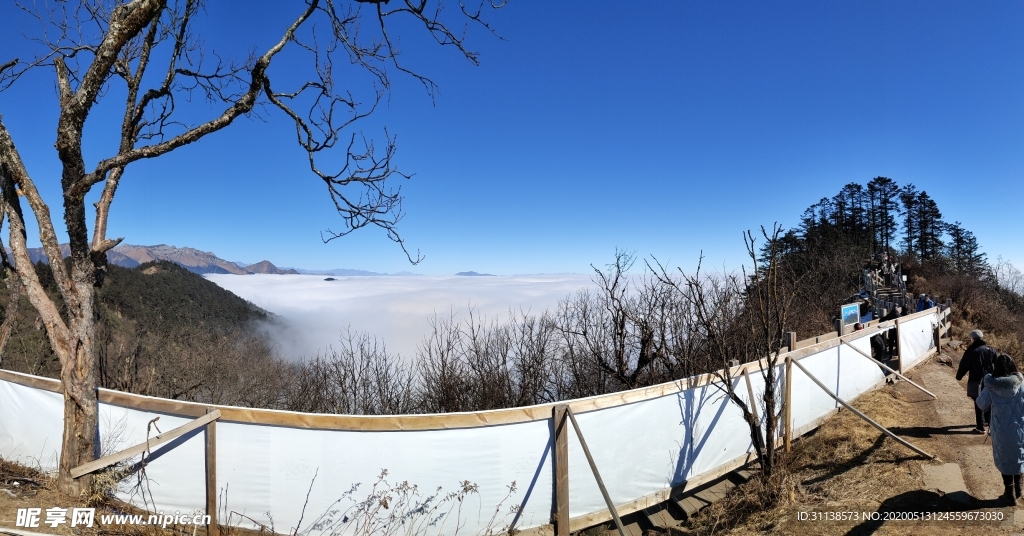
[(1007, 277), (358, 377), (740, 319), (151, 48), (478, 365), (443, 374)]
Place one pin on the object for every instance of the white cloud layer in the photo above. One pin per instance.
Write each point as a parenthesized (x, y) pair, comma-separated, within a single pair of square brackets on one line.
[(394, 309)]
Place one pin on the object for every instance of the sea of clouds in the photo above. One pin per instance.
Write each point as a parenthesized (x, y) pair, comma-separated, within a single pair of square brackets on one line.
[(395, 309)]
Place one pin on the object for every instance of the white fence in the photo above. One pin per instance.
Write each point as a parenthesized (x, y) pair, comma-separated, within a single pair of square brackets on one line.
[(646, 442)]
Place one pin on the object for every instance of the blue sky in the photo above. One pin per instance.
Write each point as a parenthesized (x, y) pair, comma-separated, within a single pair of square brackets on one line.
[(667, 128)]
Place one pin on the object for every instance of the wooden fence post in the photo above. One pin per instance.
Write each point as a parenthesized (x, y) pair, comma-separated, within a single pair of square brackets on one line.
[(597, 475), (787, 410), (899, 347), (211, 476), (560, 513)]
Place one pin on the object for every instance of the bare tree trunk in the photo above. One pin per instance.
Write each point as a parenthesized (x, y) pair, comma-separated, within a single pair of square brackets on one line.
[(13, 293), (71, 340), (78, 375), (10, 312)]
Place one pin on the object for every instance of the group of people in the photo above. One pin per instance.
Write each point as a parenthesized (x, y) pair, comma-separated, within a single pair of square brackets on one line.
[(882, 270), (883, 345), (888, 269), (994, 384)]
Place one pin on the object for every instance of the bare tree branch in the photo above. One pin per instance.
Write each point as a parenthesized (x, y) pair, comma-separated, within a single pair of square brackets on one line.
[(94, 45)]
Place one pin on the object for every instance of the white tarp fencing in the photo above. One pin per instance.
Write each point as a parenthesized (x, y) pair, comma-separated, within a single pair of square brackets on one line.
[(917, 337), (643, 441)]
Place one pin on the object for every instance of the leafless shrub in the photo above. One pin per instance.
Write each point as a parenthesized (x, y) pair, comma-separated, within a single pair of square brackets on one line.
[(632, 331), (584, 341), (442, 371), (478, 364), (359, 377), (399, 509), (1008, 277)]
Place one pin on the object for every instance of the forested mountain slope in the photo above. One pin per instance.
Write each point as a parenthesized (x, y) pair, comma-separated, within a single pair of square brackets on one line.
[(162, 330)]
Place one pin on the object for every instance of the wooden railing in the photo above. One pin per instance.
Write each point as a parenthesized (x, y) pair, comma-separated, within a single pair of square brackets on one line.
[(207, 416)]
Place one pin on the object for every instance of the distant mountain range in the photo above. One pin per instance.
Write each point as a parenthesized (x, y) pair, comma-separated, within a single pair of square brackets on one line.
[(193, 260), (199, 262), (345, 272)]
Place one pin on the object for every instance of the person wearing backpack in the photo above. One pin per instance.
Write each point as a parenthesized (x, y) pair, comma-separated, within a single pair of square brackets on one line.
[(976, 363), (1003, 396)]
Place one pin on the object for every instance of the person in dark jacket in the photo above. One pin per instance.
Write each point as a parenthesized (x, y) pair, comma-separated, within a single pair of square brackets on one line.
[(890, 336), (976, 363), (1003, 396), (878, 347)]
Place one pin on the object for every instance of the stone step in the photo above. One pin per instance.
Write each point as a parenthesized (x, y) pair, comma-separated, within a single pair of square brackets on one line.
[(634, 529), (740, 475), (660, 517), (674, 511), (692, 504)]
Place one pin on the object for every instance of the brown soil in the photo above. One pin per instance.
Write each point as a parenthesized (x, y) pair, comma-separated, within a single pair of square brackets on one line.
[(23, 487)]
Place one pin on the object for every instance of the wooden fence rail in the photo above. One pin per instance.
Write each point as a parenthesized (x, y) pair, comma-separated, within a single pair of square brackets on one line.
[(561, 416)]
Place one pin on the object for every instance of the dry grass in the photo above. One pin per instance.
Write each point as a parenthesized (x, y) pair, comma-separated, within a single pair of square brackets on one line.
[(1008, 343), (846, 465), (18, 481), (390, 509), (30, 488), (1004, 342)]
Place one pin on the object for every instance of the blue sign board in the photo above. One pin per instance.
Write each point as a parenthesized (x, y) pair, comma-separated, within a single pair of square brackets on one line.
[(851, 314)]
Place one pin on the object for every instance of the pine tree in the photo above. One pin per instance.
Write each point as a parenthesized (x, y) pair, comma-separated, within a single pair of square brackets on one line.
[(856, 212), (964, 255), (884, 193), (815, 216), (930, 227), (908, 209)]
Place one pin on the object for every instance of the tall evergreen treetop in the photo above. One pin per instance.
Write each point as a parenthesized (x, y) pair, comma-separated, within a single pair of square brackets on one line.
[(885, 196), (963, 252), (908, 209), (929, 228)]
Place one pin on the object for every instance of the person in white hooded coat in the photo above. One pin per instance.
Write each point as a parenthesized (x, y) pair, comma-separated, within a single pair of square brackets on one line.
[(1004, 396)]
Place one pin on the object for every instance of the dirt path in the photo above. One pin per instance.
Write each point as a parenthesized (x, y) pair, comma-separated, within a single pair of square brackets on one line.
[(944, 427), (848, 467), (954, 413)]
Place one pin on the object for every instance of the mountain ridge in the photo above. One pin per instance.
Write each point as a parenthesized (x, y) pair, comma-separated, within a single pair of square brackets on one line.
[(193, 260), (347, 272), (202, 262)]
